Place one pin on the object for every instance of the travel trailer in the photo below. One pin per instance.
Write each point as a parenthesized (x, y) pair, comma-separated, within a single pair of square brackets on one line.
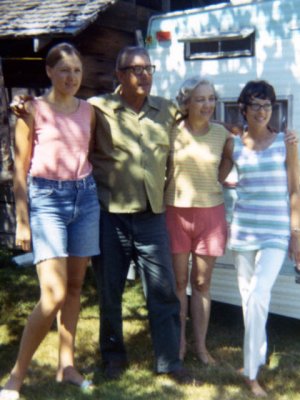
[(230, 44)]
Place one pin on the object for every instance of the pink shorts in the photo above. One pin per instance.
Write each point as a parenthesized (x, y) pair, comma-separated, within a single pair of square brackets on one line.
[(202, 231)]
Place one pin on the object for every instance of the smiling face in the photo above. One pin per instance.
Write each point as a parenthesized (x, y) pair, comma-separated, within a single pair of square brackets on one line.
[(66, 74), (202, 103), (134, 84), (258, 112)]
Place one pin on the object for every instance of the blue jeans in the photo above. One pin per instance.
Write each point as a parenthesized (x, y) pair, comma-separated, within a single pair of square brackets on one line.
[(141, 237)]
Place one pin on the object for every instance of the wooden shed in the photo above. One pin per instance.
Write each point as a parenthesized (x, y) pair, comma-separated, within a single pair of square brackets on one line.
[(28, 28)]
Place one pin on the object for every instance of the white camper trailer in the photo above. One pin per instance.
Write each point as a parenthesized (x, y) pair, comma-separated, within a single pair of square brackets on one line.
[(231, 44)]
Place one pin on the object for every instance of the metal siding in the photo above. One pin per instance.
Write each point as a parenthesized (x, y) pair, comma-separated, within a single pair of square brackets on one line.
[(277, 60)]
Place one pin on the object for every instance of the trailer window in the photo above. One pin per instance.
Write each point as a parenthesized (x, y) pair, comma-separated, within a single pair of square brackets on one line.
[(228, 45), (228, 111)]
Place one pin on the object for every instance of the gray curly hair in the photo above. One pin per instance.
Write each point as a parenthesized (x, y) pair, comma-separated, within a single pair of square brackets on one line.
[(186, 89)]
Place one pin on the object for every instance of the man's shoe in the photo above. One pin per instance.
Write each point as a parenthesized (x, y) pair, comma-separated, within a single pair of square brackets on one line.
[(183, 376), (114, 369)]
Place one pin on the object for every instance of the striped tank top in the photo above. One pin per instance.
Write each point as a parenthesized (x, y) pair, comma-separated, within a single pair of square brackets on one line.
[(261, 215)]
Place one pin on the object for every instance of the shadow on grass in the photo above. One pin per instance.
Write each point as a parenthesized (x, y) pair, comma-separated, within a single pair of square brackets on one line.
[(19, 292)]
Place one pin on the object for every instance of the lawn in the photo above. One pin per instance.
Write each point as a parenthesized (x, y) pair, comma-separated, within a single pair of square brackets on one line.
[(19, 292)]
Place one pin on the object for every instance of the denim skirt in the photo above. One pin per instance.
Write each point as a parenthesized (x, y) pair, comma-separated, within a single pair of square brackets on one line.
[(64, 218)]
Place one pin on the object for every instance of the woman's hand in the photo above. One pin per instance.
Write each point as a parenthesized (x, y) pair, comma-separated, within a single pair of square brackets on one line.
[(294, 248), (23, 236), (290, 137)]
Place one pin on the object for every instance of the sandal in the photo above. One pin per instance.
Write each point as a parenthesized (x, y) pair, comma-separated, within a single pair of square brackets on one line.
[(85, 386), (71, 376)]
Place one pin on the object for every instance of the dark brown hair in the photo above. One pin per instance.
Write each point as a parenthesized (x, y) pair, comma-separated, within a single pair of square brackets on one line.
[(260, 89)]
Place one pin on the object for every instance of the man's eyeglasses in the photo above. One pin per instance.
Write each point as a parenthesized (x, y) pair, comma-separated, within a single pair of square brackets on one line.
[(258, 107), (139, 69)]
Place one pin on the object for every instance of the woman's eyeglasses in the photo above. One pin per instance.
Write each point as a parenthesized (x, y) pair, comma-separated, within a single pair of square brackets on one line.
[(258, 107)]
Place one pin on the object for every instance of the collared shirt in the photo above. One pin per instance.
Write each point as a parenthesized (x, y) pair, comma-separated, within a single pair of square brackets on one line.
[(130, 152)]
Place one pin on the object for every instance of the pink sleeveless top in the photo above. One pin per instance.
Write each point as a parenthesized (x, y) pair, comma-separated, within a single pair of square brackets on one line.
[(61, 142)]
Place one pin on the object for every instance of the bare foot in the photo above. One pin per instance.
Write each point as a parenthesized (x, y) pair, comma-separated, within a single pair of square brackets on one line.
[(256, 389), (206, 358), (69, 375)]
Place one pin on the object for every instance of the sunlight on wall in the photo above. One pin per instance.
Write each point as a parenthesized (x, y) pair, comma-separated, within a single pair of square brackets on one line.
[(276, 58)]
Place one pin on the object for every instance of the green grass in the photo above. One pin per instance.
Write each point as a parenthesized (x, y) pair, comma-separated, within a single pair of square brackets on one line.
[(19, 292)]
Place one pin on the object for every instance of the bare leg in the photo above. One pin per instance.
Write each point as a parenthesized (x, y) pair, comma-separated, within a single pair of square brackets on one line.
[(180, 265), (67, 319), (52, 276), (255, 388), (200, 305)]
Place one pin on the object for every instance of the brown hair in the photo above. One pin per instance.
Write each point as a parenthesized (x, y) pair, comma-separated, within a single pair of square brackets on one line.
[(57, 52)]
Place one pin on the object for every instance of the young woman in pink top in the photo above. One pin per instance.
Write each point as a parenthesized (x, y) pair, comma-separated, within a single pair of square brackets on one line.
[(57, 211)]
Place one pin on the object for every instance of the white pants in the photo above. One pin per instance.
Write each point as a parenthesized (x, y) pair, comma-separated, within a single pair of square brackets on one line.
[(256, 272)]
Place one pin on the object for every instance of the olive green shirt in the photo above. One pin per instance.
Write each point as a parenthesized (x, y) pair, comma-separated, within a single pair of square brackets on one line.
[(130, 152)]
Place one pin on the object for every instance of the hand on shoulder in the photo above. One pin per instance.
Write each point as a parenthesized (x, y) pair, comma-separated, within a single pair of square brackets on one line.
[(21, 106), (290, 136)]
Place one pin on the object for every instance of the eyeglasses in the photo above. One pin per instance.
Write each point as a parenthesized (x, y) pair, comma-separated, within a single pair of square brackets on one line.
[(258, 107), (139, 69)]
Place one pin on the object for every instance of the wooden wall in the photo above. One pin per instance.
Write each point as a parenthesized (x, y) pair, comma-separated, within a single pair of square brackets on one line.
[(7, 217), (99, 43)]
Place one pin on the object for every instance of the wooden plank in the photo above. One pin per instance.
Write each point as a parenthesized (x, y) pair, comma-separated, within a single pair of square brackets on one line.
[(104, 43), (6, 192), (6, 164), (120, 16), (7, 218), (7, 241)]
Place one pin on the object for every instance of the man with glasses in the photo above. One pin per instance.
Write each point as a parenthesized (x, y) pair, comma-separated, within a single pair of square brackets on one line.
[(129, 159)]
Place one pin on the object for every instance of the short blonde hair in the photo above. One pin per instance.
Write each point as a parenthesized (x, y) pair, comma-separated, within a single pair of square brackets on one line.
[(186, 90)]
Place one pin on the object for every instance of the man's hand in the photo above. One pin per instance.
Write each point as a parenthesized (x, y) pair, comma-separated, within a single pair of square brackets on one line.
[(20, 105), (290, 137)]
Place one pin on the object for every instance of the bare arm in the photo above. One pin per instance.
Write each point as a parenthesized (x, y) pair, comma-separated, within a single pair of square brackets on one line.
[(294, 193), (23, 150), (93, 129), (226, 163)]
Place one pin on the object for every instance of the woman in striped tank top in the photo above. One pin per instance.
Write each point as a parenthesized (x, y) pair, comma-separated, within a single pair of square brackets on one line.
[(266, 216)]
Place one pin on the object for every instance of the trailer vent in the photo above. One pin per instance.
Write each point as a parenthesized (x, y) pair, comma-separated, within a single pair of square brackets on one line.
[(221, 45)]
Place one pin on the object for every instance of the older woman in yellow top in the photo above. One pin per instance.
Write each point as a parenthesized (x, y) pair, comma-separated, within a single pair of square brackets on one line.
[(195, 206)]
